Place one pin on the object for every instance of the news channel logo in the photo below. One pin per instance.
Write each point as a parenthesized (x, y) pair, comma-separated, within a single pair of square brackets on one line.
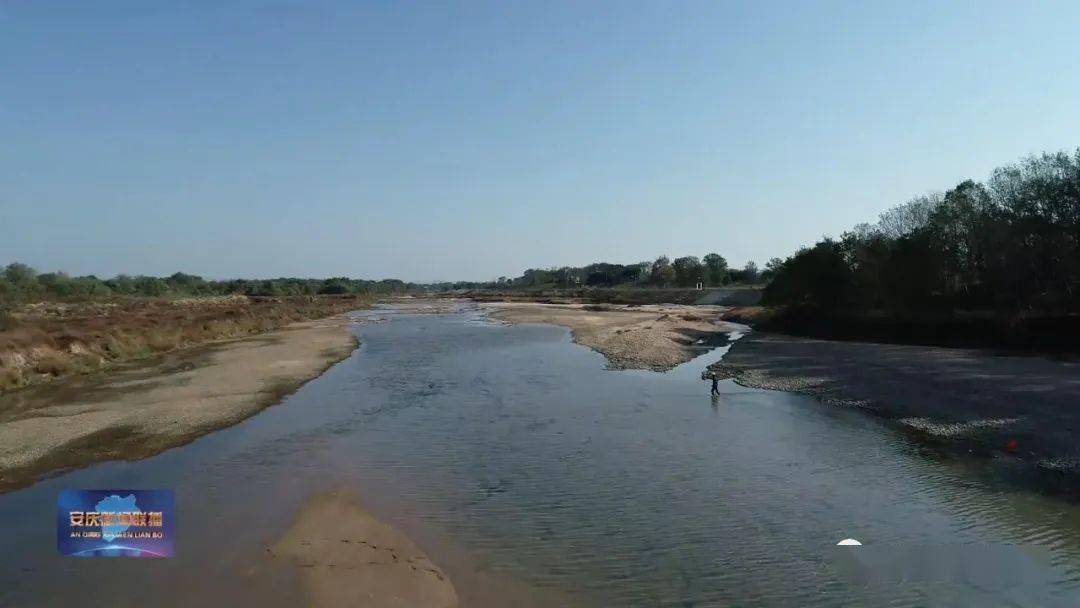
[(115, 523)]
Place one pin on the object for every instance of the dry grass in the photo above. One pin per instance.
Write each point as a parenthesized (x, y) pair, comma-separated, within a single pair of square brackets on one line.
[(748, 315), (45, 341)]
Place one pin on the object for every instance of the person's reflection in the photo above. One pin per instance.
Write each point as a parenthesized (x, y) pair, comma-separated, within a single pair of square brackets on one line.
[(715, 401)]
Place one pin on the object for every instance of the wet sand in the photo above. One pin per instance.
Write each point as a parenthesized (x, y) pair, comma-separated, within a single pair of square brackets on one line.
[(1021, 410), (141, 410), (346, 557), (656, 337), (1016, 408)]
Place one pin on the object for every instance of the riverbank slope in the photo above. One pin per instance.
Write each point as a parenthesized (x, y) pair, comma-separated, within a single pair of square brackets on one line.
[(138, 411), (48, 341)]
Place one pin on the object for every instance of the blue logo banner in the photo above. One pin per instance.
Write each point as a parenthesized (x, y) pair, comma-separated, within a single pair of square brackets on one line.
[(115, 523)]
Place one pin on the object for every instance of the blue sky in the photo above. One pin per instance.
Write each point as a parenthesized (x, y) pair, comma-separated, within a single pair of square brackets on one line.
[(472, 140)]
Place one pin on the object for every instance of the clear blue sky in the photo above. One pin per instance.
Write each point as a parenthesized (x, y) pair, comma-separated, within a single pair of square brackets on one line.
[(431, 141)]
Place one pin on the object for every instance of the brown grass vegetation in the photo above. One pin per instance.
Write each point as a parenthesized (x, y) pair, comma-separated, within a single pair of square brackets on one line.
[(43, 341), (748, 315)]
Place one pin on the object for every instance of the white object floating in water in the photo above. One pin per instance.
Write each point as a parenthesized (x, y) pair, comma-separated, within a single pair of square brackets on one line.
[(849, 542)]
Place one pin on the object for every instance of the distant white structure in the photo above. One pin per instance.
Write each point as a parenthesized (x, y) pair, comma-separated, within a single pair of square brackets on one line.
[(700, 286), (849, 542)]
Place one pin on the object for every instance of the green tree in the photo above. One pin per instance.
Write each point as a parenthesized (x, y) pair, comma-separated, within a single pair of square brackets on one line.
[(56, 284), (716, 269), (817, 277), (750, 272), (190, 284), (150, 286), (20, 274), (661, 272), (122, 284), (771, 268), (688, 271)]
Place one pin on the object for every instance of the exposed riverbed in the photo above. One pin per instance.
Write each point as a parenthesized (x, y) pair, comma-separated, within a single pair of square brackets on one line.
[(532, 475), (1020, 411)]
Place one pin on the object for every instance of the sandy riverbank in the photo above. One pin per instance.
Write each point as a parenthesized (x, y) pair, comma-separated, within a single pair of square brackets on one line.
[(138, 411), (656, 337), (48, 342), (347, 557), (1012, 407)]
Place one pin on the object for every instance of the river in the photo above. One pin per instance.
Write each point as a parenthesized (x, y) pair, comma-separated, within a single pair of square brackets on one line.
[(534, 476)]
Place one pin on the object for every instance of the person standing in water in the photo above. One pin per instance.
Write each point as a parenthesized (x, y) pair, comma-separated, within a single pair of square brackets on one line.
[(715, 384)]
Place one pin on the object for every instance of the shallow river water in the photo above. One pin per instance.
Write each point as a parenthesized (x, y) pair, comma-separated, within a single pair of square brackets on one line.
[(534, 476)]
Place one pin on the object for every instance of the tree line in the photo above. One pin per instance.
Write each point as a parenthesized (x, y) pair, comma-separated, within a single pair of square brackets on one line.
[(21, 283), (688, 271), (1010, 245)]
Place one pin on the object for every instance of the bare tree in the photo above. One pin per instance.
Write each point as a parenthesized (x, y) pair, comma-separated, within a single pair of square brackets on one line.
[(907, 218)]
